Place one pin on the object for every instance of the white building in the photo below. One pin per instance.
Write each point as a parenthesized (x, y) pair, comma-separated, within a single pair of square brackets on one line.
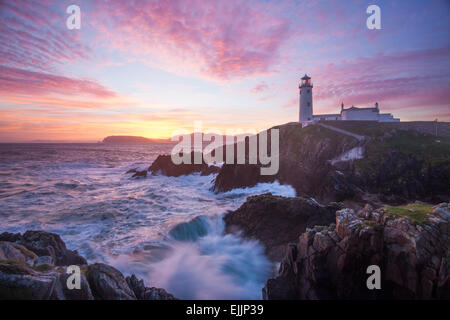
[(353, 113)]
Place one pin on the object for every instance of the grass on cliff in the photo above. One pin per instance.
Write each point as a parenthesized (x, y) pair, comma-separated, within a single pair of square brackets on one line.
[(294, 135), (432, 151), (417, 212)]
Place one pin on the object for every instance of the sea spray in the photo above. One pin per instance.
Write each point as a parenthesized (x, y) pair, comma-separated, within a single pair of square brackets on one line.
[(212, 265), (131, 224)]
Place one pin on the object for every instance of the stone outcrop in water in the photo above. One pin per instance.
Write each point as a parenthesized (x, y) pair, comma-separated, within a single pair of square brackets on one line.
[(276, 221), (145, 293), (33, 266), (46, 244), (165, 166), (330, 262)]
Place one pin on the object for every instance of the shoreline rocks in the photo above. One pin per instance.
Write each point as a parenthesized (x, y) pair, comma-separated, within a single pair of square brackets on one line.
[(330, 262), (308, 161), (164, 165), (276, 221), (32, 266)]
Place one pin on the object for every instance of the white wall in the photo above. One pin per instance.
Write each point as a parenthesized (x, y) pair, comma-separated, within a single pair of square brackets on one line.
[(365, 114), (306, 104)]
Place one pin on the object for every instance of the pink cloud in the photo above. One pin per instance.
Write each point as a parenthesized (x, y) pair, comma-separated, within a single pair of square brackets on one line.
[(34, 36), (262, 87), (20, 81), (398, 80), (221, 39)]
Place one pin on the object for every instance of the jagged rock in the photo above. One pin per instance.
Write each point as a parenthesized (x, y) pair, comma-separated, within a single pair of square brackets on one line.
[(45, 260), (16, 252), (140, 174), (108, 283), (131, 171), (331, 262), (210, 170), (239, 176), (165, 166), (46, 244), (276, 221), (386, 170), (25, 275), (304, 156), (145, 293), (19, 281), (62, 292)]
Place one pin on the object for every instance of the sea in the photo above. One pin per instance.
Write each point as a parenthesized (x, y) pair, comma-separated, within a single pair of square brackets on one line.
[(166, 230)]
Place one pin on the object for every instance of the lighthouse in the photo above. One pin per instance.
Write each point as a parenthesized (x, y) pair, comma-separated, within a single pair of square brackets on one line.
[(306, 102)]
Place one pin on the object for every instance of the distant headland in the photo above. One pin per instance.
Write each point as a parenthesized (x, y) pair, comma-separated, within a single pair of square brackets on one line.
[(133, 139)]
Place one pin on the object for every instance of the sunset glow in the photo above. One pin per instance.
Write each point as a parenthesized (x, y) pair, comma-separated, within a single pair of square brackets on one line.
[(148, 68)]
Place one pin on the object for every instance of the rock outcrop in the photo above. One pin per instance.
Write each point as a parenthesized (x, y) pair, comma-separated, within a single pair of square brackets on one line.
[(33, 266), (304, 163), (396, 166), (144, 293), (165, 166), (276, 221), (46, 244), (330, 262), (108, 283)]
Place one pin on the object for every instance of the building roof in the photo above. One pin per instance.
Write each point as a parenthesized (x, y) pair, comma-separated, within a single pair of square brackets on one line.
[(305, 77), (356, 109)]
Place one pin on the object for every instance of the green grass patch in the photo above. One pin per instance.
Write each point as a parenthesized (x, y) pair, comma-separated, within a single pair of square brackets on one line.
[(417, 212), (432, 151)]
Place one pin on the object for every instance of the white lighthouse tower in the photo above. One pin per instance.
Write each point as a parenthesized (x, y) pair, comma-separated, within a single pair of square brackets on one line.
[(306, 101)]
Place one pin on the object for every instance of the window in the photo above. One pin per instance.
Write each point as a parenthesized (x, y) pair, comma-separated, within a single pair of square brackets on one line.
[(309, 104), (309, 91)]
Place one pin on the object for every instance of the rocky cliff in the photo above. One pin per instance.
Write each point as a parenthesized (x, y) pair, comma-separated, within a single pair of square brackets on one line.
[(410, 246), (33, 266), (396, 166), (277, 221)]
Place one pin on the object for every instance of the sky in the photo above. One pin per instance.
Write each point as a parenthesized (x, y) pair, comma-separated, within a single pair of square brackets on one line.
[(149, 68)]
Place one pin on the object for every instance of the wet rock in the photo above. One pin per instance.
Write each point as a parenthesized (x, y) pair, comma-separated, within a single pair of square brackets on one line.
[(46, 244), (16, 252), (276, 221), (108, 283), (165, 166), (26, 275), (330, 262), (140, 174), (210, 170), (145, 293), (45, 260), (62, 291), (19, 281)]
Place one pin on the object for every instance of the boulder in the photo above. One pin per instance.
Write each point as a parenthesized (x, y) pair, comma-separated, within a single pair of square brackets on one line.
[(277, 221), (16, 252), (20, 281), (330, 262), (46, 244), (165, 166), (28, 271), (62, 292), (108, 283), (210, 170), (145, 293), (140, 174)]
